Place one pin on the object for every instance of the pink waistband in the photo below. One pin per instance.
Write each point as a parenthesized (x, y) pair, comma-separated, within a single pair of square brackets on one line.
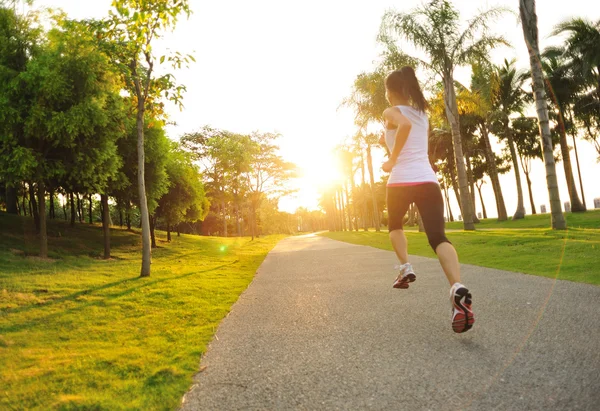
[(410, 184)]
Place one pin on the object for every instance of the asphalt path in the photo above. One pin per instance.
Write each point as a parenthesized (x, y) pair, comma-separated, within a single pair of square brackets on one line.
[(321, 328)]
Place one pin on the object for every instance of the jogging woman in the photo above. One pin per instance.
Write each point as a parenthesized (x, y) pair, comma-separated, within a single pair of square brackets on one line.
[(412, 180)]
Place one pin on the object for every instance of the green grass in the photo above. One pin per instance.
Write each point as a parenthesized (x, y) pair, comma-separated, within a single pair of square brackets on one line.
[(77, 332), (572, 255), (589, 219)]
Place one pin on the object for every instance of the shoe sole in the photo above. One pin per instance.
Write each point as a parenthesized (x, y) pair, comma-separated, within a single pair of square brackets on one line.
[(410, 278), (463, 321)]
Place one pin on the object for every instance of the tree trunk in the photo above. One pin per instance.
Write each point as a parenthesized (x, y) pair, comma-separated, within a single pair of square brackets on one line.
[(105, 225), (373, 194), (42, 220), (144, 214), (576, 205), (79, 209), (353, 193), (343, 208), (34, 208), (11, 200), (350, 219), (482, 203), (120, 217), (530, 192), (492, 169), (64, 207), (224, 219), (253, 219), (178, 230), (577, 161), (455, 189), (364, 185), (471, 182), (453, 119), (520, 213), (90, 209), (152, 236), (72, 209), (128, 215), (450, 216), (530, 34), (168, 229), (51, 211), (237, 219), (24, 201)]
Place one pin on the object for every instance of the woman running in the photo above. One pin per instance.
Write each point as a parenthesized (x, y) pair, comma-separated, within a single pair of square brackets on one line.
[(412, 180)]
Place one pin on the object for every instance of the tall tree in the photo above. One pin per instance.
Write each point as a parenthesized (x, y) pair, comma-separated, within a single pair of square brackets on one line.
[(509, 98), (562, 89), (132, 28), (435, 29), (530, 34), (525, 132)]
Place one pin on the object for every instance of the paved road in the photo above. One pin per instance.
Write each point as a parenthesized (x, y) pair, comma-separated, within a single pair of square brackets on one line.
[(321, 328)]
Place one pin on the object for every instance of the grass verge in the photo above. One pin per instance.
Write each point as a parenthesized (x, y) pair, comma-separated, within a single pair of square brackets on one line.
[(567, 255), (78, 332)]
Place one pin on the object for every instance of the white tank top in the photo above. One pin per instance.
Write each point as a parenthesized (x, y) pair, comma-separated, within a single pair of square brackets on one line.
[(412, 166)]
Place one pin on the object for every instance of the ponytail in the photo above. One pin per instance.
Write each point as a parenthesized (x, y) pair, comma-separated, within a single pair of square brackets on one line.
[(405, 83)]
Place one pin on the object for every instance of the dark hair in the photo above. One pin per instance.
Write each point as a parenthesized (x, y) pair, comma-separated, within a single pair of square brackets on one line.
[(405, 83)]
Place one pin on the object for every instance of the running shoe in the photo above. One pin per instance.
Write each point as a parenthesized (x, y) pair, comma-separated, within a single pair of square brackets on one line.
[(462, 315), (406, 275)]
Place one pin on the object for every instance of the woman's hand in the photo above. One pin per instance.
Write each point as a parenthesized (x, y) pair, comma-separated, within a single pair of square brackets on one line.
[(387, 166)]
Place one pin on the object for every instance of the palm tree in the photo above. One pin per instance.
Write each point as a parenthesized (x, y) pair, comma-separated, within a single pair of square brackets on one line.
[(509, 98), (526, 139), (481, 85), (435, 29), (562, 88), (530, 34)]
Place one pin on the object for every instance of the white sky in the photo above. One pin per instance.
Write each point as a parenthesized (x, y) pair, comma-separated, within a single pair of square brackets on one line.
[(278, 65)]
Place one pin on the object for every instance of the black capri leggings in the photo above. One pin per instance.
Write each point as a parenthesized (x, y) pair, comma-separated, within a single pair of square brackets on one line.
[(428, 198)]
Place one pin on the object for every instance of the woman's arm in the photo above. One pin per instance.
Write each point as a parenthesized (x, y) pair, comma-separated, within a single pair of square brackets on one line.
[(403, 126)]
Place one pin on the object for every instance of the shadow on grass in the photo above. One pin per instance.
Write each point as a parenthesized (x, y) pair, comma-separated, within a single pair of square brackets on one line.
[(73, 298)]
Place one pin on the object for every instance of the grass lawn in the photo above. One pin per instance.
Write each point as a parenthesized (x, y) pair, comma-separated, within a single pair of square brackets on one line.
[(572, 255), (77, 332)]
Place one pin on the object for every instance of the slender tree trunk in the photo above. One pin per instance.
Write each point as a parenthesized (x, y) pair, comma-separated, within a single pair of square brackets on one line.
[(64, 207), (576, 205), (530, 33), (90, 209), (178, 230), (51, 212), (34, 208), (450, 216), (455, 189), (373, 194), (223, 207), (11, 199), (364, 185), (520, 213), (79, 208), (530, 193), (42, 220), (72, 209), (105, 225), (24, 201), (144, 214), (453, 119), (120, 217), (152, 236), (253, 220), (471, 182), (492, 169), (237, 219), (343, 208), (168, 229), (577, 161), (482, 203)]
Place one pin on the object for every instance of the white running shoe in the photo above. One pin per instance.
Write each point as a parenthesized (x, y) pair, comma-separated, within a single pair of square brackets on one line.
[(406, 275), (462, 314)]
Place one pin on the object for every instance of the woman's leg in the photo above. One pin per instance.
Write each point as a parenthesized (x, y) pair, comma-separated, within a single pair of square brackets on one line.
[(398, 201), (431, 207), (400, 245)]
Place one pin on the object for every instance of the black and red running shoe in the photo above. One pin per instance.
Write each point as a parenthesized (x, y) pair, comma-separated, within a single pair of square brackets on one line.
[(462, 314)]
